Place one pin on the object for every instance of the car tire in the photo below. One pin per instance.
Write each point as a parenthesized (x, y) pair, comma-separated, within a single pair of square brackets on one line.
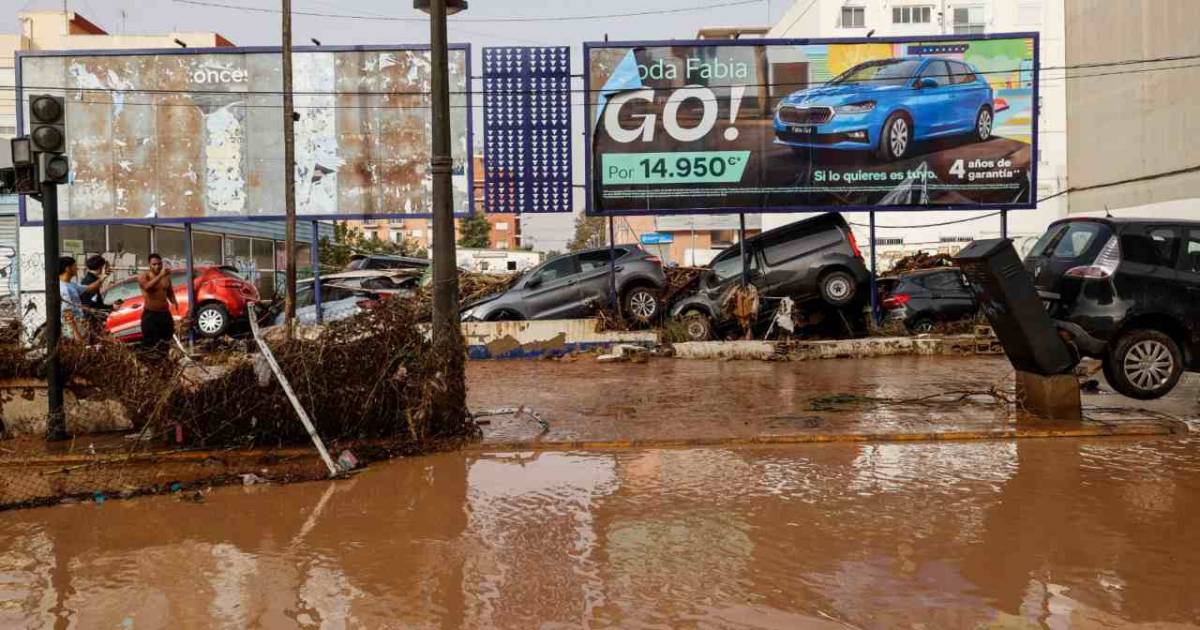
[(837, 287), (895, 138), (212, 320), (1143, 364), (641, 304), (921, 326), (697, 326), (984, 122)]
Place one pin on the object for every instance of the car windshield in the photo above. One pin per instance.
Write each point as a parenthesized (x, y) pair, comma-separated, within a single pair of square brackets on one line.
[(885, 72)]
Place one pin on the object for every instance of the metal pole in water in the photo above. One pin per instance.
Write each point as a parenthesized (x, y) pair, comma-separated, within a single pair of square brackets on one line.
[(742, 245), (56, 422), (189, 267), (612, 265), (315, 261), (874, 286)]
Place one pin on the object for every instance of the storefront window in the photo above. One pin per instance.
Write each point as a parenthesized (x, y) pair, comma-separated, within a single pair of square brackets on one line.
[(263, 253), (168, 242), (206, 249), (130, 247), (237, 254), (81, 241)]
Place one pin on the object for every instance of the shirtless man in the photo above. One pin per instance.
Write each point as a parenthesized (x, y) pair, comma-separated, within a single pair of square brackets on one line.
[(158, 296)]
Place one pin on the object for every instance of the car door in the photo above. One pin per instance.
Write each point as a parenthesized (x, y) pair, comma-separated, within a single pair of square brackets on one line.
[(594, 275), (552, 292), (125, 297), (967, 93), (950, 294), (1189, 277), (791, 261), (929, 104)]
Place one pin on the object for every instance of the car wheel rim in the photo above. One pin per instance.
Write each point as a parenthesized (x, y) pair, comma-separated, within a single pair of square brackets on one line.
[(985, 124), (899, 137), (696, 330), (642, 304), (838, 288), (923, 327), (209, 322), (1149, 364)]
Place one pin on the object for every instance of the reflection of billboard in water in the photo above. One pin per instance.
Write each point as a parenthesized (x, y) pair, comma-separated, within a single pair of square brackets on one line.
[(812, 124), (198, 135)]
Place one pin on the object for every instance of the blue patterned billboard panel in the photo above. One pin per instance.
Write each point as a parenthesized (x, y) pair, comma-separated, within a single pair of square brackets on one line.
[(527, 129)]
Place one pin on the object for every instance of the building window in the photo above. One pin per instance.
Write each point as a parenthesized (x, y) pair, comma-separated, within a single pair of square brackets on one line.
[(854, 17), (890, 241), (416, 233), (955, 239), (912, 15), (968, 20), (501, 225)]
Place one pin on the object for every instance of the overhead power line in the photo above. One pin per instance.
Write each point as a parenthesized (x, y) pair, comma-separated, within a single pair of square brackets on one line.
[(1041, 81), (498, 18)]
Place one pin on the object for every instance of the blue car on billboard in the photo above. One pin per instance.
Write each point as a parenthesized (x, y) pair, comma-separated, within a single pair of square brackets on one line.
[(887, 105)]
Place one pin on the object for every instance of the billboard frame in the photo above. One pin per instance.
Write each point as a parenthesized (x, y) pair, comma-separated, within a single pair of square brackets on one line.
[(589, 189), (234, 50)]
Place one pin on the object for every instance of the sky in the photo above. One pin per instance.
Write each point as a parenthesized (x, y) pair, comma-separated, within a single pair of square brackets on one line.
[(249, 25)]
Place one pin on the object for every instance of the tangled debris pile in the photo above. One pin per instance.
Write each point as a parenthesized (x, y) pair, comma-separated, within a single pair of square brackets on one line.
[(372, 376), (918, 261), (679, 280), (474, 286)]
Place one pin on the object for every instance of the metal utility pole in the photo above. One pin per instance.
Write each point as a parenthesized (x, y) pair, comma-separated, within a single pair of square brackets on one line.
[(56, 421), (445, 274), (289, 169)]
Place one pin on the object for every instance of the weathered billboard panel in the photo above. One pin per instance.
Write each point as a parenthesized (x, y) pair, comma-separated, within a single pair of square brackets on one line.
[(197, 134), (803, 125)]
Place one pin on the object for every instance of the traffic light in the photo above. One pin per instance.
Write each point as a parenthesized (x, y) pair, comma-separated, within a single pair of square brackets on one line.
[(54, 168), (46, 128)]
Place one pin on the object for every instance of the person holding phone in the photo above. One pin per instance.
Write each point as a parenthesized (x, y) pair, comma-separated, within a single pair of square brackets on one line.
[(158, 297)]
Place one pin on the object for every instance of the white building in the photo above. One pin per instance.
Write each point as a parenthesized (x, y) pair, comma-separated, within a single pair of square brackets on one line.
[(896, 18), (498, 261)]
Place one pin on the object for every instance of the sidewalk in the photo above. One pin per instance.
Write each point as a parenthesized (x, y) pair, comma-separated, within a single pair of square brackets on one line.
[(670, 402)]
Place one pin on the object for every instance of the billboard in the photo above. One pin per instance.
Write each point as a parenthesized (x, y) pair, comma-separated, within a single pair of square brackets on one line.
[(192, 135), (527, 129), (802, 125)]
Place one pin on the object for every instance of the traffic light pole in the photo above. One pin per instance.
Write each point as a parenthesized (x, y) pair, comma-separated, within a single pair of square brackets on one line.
[(56, 422)]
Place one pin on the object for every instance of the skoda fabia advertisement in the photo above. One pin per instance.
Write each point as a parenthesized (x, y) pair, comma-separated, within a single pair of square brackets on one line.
[(775, 125)]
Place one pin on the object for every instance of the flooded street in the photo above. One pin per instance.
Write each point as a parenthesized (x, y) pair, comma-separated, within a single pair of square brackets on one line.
[(1007, 534)]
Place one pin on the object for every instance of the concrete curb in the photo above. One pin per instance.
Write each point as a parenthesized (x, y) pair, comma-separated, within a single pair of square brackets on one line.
[(953, 345), (1150, 429)]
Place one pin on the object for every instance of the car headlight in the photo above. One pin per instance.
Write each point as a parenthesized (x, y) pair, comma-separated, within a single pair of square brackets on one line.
[(855, 108)]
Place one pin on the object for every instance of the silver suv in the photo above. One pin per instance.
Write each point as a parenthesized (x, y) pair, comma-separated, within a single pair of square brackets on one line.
[(574, 285)]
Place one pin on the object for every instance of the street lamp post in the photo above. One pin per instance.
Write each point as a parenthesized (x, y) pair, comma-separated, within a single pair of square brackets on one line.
[(445, 277)]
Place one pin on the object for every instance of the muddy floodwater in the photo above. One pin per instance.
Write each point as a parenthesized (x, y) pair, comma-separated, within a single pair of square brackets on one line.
[(1004, 534)]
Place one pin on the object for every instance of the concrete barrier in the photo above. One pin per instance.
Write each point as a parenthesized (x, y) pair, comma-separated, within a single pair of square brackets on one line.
[(835, 349), (540, 338)]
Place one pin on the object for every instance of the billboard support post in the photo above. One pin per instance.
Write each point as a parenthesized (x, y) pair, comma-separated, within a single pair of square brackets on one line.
[(56, 422), (612, 266), (742, 248), (189, 265), (289, 169), (315, 263), (445, 273), (874, 288), (1004, 224)]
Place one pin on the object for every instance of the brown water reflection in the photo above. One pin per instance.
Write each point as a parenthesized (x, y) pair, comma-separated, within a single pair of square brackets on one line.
[(1053, 533)]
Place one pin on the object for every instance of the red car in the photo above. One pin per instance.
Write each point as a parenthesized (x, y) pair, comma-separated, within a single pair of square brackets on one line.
[(222, 297)]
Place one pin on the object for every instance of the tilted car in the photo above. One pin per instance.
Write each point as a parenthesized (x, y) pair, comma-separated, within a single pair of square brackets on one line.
[(921, 299), (887, 105), (574, 285), (222, 298), (1126, 291), (817, 258)]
